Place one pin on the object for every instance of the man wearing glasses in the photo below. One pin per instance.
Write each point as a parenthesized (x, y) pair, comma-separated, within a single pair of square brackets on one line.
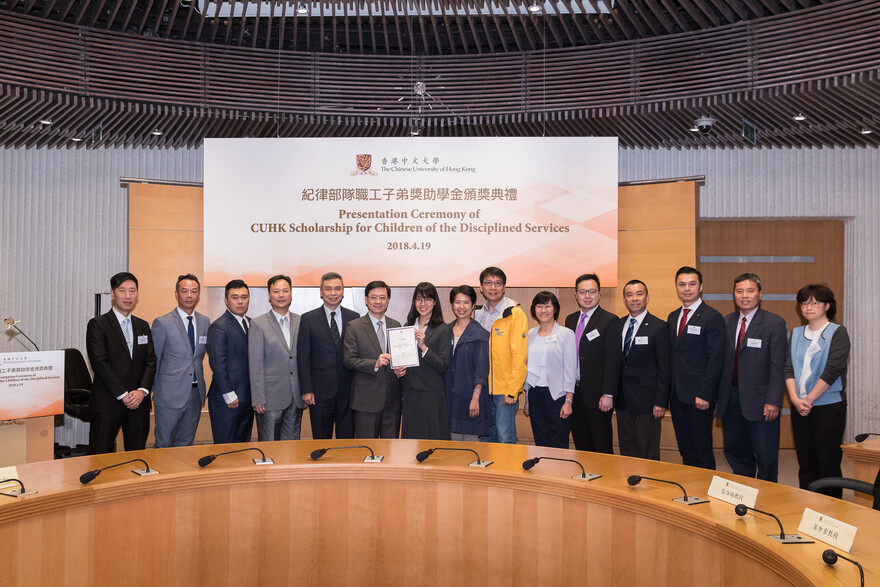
[(598, 336)]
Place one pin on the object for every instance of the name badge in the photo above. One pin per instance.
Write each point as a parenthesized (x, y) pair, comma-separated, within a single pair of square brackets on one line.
[(204, 340), (813, 349), (754, 343), (593, 334), (551, 338), (830, 531), (732, 492), (641, 340), (694, 329), (142, 339)]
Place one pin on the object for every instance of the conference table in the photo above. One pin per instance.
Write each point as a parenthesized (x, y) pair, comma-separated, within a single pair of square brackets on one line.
[(342, 521), (866, 462)]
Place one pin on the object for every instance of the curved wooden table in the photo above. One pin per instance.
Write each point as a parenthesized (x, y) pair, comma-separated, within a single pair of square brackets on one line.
[(866, 462), (340, 521)]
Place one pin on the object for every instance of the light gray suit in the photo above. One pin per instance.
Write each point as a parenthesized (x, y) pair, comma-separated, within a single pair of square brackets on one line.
[(274, 379), (177, 402)]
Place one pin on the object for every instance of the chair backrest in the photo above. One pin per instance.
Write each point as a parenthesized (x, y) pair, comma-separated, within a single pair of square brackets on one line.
[(76, 374)]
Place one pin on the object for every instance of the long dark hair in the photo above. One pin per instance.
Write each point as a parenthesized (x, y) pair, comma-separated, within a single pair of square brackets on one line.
[(425, 290)]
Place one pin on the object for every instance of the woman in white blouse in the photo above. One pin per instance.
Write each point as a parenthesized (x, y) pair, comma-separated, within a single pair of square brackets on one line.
[(551, 374)]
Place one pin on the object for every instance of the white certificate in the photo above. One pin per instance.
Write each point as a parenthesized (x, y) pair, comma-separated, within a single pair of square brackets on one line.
[(402, 347)]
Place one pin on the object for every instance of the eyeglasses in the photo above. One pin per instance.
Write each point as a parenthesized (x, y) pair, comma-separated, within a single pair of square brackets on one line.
[(587, 292), (377, 298), (493, 283), (423, 301), (813, 303)]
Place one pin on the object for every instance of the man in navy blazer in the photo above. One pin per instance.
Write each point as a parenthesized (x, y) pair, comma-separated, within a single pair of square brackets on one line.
[(120, 349), (229, 398), (643, 396), (696, 336), (324, 382), (179, 389), (752, 383)]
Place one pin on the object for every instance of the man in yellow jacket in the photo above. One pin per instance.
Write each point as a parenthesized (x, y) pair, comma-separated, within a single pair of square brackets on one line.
[(508, 328)]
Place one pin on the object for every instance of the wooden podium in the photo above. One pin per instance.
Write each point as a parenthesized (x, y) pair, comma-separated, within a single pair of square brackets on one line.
[(340, 521)]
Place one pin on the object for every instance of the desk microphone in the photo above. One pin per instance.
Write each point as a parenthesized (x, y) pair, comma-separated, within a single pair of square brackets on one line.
[(477, 463), (634, 480), (861, 438), (373, 458), (208, 459), (829, 557), (528, 464), (741, 510), (15, 492), (89, 476)]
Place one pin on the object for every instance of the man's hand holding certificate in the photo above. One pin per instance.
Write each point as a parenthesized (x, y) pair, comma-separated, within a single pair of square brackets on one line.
[(402, 347)]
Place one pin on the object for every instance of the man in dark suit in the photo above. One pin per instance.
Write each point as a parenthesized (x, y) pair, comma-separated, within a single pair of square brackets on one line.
[(272, 366), (597, 333), (752, 383), (229, 399), (120, 349), (324, 381), (696, 335), (375, 390), (180, 337), (643, 395)]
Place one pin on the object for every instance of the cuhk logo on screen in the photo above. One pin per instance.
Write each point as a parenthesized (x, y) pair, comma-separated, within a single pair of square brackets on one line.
[(364, 162)]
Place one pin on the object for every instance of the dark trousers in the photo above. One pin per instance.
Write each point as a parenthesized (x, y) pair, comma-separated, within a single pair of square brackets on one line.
[(105, 426), (751, 447), (591, 427), (547, 427), (817, 440), (639, 435), (330, 413), (693, 432), (230, 424), (384, 424)]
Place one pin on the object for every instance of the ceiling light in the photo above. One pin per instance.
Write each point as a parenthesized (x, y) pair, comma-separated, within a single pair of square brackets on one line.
[(865, 130), (157, 133), (302, 9), (694, 129), (799, 117), (533, 7), (46, 121), (76, 140)]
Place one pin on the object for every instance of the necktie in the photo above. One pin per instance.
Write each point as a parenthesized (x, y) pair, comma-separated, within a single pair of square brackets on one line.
[(739, 340), (244, 324), (285, 330), (627, 344), (683, 322), (579, 332), (191, 333), (380, 332), (126, 332), (334, 328)]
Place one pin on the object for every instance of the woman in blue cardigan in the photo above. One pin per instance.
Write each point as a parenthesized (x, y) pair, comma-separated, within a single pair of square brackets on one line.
[(467, 377), (815, 375)]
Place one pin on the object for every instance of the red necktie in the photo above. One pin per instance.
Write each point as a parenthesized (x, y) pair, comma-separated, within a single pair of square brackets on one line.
[(739, 339), (684, 320)]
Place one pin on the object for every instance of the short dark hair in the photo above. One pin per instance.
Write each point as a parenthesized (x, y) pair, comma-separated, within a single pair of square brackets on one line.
[(235, 284), (463, 289), (542, 297), (587, 276), (493, 272), (425, 290), (689, 270), (188, 276), (637, 282), (747, 277), (121, 278), (331, 275), (376, 285), (275, 278), (820, 293)]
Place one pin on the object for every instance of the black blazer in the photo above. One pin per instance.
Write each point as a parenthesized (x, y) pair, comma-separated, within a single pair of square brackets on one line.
[(644, 374), (761, 379), (697, 359), (228, 356), (115, 371), (599, 358), (428, 376), (318, 358)]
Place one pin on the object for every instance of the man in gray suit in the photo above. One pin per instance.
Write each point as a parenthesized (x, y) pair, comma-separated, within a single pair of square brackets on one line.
[(179, 338), (375, 391), (275, 392)]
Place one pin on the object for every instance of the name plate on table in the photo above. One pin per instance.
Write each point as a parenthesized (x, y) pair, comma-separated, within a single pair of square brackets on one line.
[(830, 531), (732, 492)]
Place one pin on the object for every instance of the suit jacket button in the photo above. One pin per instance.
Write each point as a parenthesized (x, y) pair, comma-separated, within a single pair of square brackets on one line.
[(291, 358)]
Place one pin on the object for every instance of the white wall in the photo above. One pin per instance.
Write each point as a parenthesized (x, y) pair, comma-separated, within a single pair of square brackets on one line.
[(63, 228)]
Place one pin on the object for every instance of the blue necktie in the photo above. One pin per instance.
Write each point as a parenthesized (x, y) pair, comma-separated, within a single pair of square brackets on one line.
[(627, 344)]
